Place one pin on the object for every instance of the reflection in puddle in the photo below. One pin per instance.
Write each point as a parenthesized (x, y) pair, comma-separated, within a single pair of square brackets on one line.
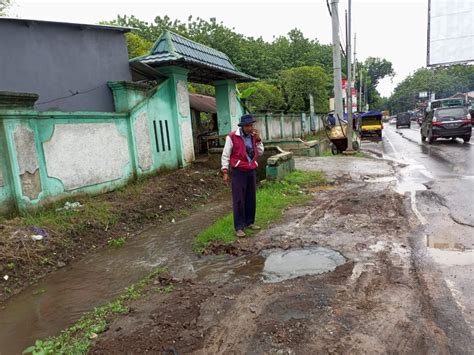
[(288, 264), (448, 242), (452, 257), (450, 250)]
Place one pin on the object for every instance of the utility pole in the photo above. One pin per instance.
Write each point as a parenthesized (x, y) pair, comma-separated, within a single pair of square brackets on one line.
[(349, 79), (355, 69), (336, 60), (360, 90), (366, 103)]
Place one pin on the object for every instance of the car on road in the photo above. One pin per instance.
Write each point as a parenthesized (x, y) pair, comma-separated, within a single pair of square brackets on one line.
[(403, 119), (446, 122)]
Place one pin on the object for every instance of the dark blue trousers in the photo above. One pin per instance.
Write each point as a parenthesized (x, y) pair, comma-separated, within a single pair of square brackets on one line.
[(244, 187)]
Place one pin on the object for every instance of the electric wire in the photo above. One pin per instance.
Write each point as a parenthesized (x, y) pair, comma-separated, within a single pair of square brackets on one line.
[(73, 93)]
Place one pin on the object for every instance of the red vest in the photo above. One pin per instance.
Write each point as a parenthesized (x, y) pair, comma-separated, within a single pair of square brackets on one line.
[(238, 157)]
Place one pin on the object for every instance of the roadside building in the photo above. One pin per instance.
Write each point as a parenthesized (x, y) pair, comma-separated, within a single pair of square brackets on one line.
[(76, 116)]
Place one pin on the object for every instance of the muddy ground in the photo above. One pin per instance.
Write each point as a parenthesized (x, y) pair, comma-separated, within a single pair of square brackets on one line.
[(155, 200), (376, 302)]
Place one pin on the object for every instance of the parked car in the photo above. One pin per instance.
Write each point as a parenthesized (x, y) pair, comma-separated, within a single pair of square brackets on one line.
[(446, 122), (403, 119)]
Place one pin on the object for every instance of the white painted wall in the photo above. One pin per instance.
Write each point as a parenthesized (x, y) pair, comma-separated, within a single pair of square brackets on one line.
[(86, 154), (188, 145), (143, 141), (183, 98), (274, 127), (287, 127), (26, 154)]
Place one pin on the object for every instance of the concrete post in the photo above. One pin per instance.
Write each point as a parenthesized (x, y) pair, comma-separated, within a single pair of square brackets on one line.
[(267, 131), (281, 125), (228, 108), (179, 96)]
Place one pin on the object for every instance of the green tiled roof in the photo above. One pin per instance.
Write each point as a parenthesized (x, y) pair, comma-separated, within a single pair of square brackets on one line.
[(205, 64)]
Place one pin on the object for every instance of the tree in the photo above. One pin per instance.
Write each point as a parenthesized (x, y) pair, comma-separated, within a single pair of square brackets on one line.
[(267, 97), (251, 55), (202, 89), (4, 6), (373, 70), (137, 46), (442, 81), (377, 69), (298, 83)]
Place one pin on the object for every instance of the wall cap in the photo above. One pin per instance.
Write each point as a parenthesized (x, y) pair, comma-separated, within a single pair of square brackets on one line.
[(17, 100)]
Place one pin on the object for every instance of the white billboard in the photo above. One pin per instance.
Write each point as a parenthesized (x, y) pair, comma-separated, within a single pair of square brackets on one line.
[(450, 32)]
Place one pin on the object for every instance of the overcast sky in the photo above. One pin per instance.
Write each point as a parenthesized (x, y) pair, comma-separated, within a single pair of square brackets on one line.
[(395, 30)]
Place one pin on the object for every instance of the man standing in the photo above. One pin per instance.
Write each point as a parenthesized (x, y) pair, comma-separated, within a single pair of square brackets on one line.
[(241, 150)]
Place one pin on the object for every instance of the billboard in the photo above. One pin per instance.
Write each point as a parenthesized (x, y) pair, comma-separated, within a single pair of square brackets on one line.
[(450, 32)]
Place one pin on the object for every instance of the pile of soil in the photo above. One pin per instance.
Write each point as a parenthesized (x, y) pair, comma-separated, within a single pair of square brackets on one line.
[(154, 200)]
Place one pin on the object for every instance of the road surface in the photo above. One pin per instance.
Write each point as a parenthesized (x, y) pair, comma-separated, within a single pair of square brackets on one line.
[(440, 179)]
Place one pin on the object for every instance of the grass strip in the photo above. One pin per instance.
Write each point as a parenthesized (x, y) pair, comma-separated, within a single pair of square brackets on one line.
[(62, 221), (358, 154), (77, 339), (272, 199)]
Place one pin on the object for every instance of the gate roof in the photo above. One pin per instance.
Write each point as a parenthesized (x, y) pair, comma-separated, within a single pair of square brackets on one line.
[(205, 64)]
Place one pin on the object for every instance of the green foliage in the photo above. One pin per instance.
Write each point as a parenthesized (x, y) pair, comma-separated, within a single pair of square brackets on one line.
[(377, 69), (443, 81), (298, 83), (272, 198), (267, 97), (202, 89), (373, 70), (137, 46), (261, 59), (244, 94), (4, 6), (306, 178), (251, 55), (76, 339), (117, 242), (11, 266)]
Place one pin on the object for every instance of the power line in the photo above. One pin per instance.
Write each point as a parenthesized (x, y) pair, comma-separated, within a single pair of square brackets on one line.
[(73, 93)]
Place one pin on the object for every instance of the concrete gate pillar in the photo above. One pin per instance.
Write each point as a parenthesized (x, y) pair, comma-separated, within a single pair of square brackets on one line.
[(179, 96), (228, 106)]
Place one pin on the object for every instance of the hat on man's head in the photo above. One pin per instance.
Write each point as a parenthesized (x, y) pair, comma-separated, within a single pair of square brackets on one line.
[(246, 119)]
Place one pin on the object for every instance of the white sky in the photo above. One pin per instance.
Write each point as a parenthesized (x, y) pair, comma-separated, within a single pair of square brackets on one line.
[(395, 30)]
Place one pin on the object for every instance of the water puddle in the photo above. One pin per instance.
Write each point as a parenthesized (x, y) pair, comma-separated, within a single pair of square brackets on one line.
[(449, 242), (452, 257), (283, 265), (413, 178), (450, 250)]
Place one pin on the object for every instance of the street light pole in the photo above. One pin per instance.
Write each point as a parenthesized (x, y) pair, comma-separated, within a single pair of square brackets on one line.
[(336, 60), (349, 79)]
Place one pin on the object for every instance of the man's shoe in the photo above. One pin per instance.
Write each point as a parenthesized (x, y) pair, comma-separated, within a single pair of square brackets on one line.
[(254, 227), (240, 233)]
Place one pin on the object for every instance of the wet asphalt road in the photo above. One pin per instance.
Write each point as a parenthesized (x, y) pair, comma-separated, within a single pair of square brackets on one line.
[(440, 180)]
